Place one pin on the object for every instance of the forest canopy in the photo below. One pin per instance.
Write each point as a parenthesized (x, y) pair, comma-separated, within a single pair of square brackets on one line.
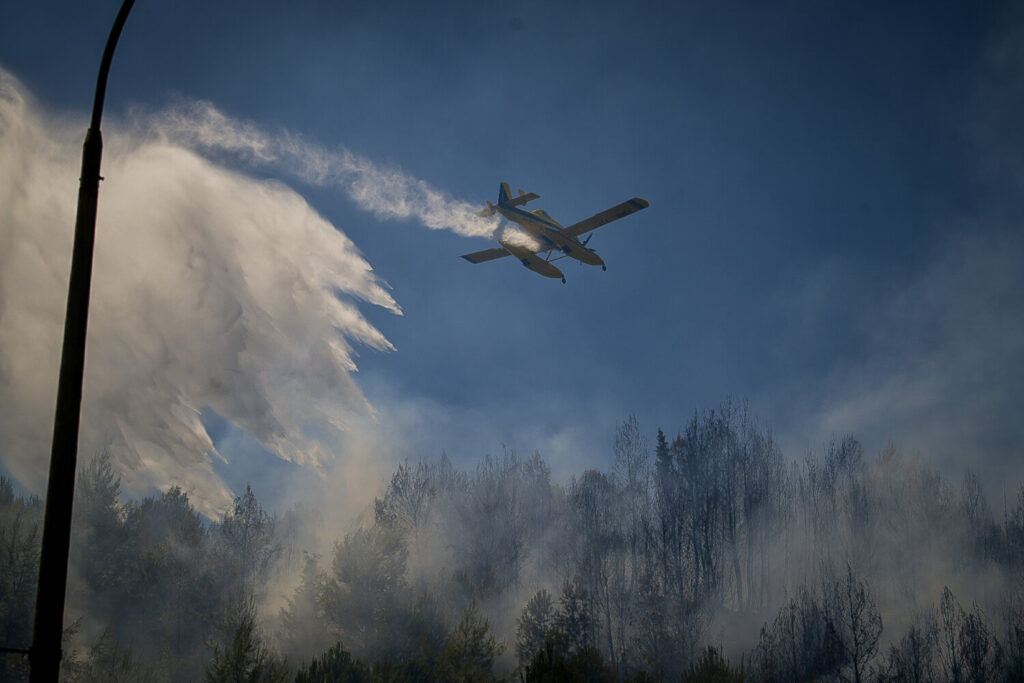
[(708, 555)]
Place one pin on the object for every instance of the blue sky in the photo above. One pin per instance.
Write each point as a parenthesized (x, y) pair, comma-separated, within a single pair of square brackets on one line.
[(834, 230)]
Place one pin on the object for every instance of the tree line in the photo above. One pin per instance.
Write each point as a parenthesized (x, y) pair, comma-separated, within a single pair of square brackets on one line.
[(707, 556)]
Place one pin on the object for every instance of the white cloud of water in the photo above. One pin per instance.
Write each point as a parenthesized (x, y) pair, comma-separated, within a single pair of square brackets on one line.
[(211, 289)]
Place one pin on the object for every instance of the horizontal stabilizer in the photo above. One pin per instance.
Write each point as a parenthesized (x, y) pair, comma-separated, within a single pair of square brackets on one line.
[(486, 255), (505, 197), (522, 199)]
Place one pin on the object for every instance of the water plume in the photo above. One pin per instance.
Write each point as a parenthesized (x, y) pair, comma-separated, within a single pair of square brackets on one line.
[(212, 290)]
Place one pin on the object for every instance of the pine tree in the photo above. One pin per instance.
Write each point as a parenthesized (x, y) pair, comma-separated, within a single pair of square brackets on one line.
[(336, 665), (241, 654), (469, 652), (533, 625)]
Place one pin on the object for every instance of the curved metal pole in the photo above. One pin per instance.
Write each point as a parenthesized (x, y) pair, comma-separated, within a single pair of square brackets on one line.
[(45, 652)]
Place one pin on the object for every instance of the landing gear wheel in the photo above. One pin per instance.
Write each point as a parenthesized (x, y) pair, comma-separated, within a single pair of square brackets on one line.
[(604, 267), (563, 280)]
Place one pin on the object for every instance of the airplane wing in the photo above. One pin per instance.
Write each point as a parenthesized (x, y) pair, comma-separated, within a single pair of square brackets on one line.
[(486, 255), (607, 216)]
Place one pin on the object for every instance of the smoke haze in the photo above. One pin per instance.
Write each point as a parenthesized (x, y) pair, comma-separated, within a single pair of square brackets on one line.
[(939, 363)]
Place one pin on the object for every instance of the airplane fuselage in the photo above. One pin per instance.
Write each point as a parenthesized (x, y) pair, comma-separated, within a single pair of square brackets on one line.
[(550, 234)]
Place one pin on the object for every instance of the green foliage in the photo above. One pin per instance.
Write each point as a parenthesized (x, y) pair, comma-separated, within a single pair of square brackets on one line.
[(241, 654), (534, 623), (414, 632), (554, 664), (713, 667), (172, 579), (98, 492), (19, 565), (336, 665), (365, 586), (110, 662), (161, 586), (304, 629), (100, 535), (566, 629), (469, 652), (247, 535), (574, 618)]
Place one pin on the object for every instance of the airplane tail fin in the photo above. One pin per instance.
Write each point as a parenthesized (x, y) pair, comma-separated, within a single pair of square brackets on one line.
[(506, 200), (504, 195)]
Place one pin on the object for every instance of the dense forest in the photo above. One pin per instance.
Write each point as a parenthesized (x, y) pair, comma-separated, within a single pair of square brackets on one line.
[(706, 556)]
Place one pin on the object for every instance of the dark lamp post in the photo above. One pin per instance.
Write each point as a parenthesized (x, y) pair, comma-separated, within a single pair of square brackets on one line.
[(45, 652)]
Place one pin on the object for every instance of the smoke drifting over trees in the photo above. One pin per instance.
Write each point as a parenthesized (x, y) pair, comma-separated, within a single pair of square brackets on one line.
[(708, 548)]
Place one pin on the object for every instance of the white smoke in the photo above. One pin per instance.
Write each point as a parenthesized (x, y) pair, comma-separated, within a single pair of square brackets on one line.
[(211, 290), (942, 364), (387, 192), (944, 370)]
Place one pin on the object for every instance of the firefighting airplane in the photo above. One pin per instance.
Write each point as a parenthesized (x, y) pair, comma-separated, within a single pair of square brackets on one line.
[(549, 235)]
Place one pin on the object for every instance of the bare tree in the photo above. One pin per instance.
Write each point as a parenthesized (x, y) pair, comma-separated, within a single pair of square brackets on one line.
[(801, 644), (969, 651), (857, 622), (1013, 640), (912, 660)]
